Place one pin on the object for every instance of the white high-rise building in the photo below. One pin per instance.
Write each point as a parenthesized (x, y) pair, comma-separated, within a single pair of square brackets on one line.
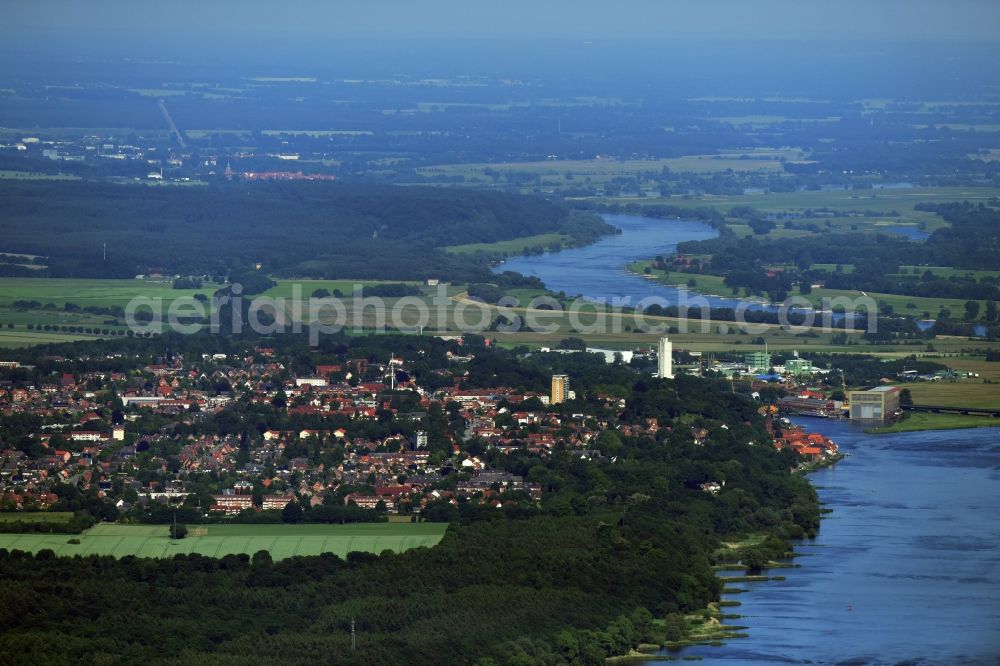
[(664, 359)]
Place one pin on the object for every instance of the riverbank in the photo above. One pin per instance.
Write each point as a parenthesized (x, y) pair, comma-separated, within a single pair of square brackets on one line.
[(908, 536), (921, 421), (754, 554), (702, 627), (707, 626), (825, 461)]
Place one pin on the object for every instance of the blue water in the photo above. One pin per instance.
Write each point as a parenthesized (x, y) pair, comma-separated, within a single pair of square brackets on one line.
[(905, 570), (911, 233), (598, 272)]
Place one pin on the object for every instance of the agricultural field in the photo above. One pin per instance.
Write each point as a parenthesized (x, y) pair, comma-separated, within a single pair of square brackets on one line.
[(565, 172), (982, 391), (922, 421), (55, 293), (282, 541), (287, 288), (713, 285), (87, 292), (755, 122), (158, 92), (944, 271), (881, 201), (316, 134), (6, 174), (207, 132)]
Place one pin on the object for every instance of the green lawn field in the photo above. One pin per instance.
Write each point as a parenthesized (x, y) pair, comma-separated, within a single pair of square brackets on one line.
[(982, 391), (103, 293), (603, 170), (25, 338), (31, 175), (921, 421), (286, 288), (513, 246), (882, 202), (281, 541), (914, 306), (85, 293)]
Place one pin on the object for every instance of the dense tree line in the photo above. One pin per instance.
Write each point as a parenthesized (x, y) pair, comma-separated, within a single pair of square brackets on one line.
[(317, 230)]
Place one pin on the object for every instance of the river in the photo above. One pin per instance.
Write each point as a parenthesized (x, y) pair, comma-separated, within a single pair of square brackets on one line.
[(597, 271), (905, 570)]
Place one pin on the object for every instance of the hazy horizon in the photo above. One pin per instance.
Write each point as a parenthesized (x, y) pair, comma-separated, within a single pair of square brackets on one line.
[(883, 20)]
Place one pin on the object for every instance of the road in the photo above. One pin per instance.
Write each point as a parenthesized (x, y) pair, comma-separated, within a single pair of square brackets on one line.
[(170, 123)]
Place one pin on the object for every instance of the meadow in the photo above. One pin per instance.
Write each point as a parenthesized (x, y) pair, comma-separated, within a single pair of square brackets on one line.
[(512, 246), (87, 292), (282, 541), (921, 421), (14, 331), (713, 285), (982, 391), (605, 169), (6, 174), (882, 202)]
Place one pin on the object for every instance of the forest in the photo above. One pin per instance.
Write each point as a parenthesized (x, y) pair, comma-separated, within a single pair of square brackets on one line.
[(616, 549), (309, 230)]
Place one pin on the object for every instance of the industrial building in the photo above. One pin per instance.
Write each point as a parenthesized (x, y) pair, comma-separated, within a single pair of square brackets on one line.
[(757, 361), (798, 367), (877, 404)]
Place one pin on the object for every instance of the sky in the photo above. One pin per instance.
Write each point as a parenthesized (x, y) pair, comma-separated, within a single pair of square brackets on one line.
[(281, 20)]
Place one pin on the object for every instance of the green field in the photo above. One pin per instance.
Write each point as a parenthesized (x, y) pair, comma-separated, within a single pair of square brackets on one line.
[(286, 288), (512, 246), (158, 92), (605, 169), (938, 271), (202, 133), (32, 175), (109, 292), (315, 133), (982, 391), (713, 285), (83, 292), (882, 202), (281, 541), (921, 421)]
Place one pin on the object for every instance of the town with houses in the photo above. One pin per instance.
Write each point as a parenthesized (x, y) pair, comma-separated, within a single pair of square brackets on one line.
[(145, 446), (153, 160)]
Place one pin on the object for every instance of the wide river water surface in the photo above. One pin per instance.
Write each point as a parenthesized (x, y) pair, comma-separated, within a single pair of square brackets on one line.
[(597, 271), (906, 568)]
